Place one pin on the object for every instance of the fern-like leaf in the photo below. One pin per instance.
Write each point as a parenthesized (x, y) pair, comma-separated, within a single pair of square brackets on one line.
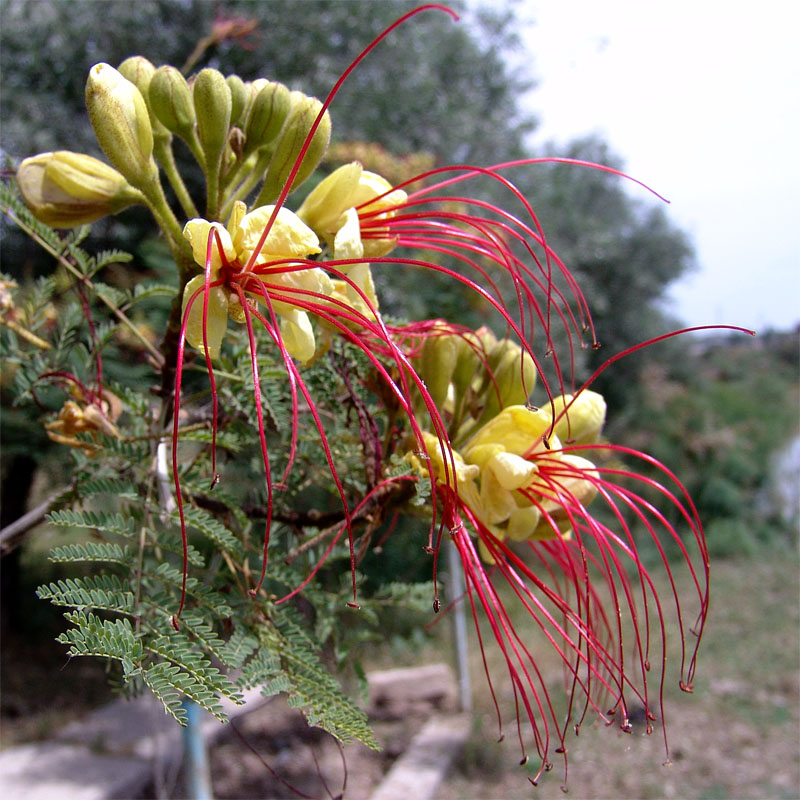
[(160, 680), (105, 592), (93, 636), (213, 529), (314, 690), (100, 521), (91, 551), (238, 648), (119, 488)]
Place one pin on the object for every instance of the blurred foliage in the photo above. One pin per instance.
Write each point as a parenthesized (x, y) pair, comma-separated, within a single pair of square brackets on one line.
[(718, 416)]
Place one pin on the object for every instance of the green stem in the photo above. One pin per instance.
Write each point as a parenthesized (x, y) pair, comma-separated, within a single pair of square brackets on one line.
[(178, 245), (212, 189), (248, 184), (162, 149)]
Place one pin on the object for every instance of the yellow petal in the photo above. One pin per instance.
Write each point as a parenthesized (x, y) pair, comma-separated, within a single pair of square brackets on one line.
[(288, 237), (331, 198), (347, 242), (439, 457), (511, 471), (497, 503), (523, 523), (238, 213), (518, 428), (584, 419), (372, 185), (298, 335), (545, 530), (197, 232), (481, 454), (576, 486), (483, 551), (216, 321)]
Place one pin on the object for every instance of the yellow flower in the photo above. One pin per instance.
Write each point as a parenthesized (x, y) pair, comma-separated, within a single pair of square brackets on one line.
[(349, 187), (234, 246), (331, 209), (527, 487)]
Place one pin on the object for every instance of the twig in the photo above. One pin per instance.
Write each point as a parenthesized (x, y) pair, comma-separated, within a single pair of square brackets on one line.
[(12, 534)]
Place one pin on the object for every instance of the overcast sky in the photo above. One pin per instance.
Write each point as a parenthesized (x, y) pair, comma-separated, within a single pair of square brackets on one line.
[(702, 100)]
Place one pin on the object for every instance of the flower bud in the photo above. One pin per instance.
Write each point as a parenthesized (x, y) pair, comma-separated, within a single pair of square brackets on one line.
[(268, 112), (510, 379), (290, 142), (330, 198), (212, 105), (468, 361), (583, 420), (437, 362), (121, 123), (139, 71), (239, 96), (171, 101), (65, 189)]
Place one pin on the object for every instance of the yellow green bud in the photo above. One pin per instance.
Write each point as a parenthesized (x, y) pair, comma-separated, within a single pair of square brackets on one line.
[(139, 71), (468, 361), (437, 362), (121, 123), (171, 101), (510, 379), (239, 97), (268, 112), (212, 105), (290, 142), (65, 189), (583, 420)]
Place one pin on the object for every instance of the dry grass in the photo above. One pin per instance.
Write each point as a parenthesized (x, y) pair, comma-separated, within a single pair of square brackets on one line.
[(737, 736)]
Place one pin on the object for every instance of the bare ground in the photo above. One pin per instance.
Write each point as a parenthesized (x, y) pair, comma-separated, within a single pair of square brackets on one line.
[(737, 736)]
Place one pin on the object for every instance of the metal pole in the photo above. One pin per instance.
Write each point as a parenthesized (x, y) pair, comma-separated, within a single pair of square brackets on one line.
[(455, 588), (195, 758)]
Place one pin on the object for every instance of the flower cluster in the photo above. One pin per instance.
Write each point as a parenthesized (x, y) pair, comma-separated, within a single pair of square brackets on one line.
[(510, 480)]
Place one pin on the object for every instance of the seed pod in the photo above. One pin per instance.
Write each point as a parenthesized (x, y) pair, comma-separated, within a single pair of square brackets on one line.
[(121, 123), (171, 101), (305, 111)]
